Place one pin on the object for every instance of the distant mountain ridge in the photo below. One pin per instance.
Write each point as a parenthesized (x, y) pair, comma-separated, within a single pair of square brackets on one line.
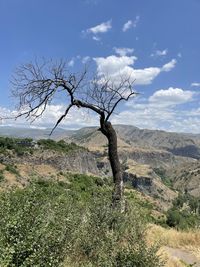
[(181, 144), (34, 133)]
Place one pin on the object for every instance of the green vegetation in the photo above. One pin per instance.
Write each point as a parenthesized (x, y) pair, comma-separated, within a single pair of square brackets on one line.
[(161, 172), (60, 146), (19, 146), (12, 169), (185, 212), (27, 145), (9, 168), (72, 224), (1, 176)]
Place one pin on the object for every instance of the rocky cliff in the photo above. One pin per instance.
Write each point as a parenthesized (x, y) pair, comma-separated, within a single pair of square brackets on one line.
[(79, 161)]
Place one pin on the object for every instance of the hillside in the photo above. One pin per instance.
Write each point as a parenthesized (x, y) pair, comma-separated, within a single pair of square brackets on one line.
[(166, 154), (179, 144), (34, 133), (37, 175), (187, 179)]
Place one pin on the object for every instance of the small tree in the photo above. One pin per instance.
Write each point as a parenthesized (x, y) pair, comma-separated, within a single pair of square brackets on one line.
[(35, 86)]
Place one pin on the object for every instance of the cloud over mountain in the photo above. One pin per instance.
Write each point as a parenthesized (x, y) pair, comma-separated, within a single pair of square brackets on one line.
[(122, 66)]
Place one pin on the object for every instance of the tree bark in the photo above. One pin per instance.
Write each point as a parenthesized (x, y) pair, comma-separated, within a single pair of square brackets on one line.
[(118, 192)]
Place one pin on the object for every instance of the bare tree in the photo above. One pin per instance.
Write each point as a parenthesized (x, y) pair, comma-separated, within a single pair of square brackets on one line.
[(36, 85)]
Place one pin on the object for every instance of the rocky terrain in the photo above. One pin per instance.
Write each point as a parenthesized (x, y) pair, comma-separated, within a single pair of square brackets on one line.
[(187, 178), (156, 163)]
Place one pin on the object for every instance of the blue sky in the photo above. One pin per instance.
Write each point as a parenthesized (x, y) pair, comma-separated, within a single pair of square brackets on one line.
[(156, 41)]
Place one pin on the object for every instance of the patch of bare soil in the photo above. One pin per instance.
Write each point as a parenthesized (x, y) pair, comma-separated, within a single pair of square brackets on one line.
[(183, 255)]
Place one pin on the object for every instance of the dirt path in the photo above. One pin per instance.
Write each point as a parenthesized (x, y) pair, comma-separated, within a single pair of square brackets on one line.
[(183, 255)]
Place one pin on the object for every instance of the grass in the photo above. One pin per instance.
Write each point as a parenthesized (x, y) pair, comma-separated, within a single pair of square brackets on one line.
[(187, 240), (12, 169), (172, 262)]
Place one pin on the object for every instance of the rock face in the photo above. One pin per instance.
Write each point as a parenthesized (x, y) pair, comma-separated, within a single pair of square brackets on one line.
[(187, 179), (146, 156), (171, 151), (145, 180), (79, 161)]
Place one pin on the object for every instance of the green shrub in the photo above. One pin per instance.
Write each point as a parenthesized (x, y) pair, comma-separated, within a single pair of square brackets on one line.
[(182, 219), (18, 145), (1, 176), (164, 177), (60, 146), (108, 238), (84, 187), (173, 218), (12, 169), (191, 201), (47, 222), (35, 226), (185, 212)]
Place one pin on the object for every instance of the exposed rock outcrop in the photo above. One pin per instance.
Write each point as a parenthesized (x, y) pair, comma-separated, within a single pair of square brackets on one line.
[(145, 180), (81, 161)]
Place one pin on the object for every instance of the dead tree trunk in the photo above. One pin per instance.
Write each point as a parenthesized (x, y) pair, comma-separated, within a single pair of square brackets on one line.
[(118, 192), (36, 84)]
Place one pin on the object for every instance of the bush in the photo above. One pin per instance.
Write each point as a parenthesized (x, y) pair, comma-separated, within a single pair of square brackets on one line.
[(182, 219), (108, 238), (12, 169), (35, 226), (60, 146), (18, 145), (173, 218), (1, 176), (46, 223), (163, 175), (185, 212)]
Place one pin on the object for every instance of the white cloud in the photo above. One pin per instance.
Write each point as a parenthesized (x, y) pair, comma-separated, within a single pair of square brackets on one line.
[(85, 59), (101, 28), (130, 24), (160, 53), (113, 64), (186, 124), (170, 65), (123, 51), (195, 84), (150, 117), (171, 96), (96, 38), (163, 111), (127, 25), (137, 19), (71, 62), (76, 118), (122, 66), (98, 29)]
